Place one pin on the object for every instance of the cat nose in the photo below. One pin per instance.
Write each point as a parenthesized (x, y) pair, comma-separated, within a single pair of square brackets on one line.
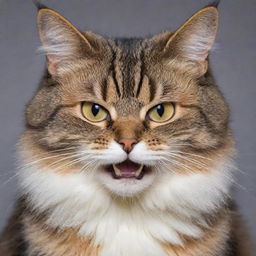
[(127, 143)]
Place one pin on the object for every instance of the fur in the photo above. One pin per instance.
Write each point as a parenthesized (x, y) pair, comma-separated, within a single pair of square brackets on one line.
[(77, 201), (71, 203)]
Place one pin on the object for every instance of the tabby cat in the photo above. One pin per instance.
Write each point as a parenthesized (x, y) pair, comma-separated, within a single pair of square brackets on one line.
[(127, 149)]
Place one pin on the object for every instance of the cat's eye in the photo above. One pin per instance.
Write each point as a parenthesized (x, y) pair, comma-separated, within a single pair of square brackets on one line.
[(94, 112), (161, 112)]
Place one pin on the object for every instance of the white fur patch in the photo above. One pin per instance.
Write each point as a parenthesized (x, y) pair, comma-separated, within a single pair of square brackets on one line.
[(113, 155), (59, 51), (141, 154), (169, 207), (197, 46)]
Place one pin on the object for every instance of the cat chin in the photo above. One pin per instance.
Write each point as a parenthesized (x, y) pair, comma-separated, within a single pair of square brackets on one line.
[(125, 187), (131, 186)]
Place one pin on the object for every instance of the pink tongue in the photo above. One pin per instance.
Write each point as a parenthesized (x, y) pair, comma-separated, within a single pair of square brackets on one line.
[(128, 167)]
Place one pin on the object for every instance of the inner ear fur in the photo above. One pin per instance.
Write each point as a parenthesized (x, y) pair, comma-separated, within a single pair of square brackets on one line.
[(193, 41), (61, 41)]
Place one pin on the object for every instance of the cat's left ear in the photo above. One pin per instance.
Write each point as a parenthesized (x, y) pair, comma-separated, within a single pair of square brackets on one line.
[(194, 39), (61, 41)]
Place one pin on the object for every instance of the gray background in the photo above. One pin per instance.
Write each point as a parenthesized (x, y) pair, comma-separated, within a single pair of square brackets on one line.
[(233, 64)]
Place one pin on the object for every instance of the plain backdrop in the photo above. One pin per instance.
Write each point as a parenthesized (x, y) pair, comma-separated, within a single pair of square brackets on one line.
[(233, 63)]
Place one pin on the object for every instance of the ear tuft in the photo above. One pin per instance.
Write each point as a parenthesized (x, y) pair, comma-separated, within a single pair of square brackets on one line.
[(39, 5), (213, 4)]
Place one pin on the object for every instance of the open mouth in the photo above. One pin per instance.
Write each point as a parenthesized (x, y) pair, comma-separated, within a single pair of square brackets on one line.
[(128, 170)]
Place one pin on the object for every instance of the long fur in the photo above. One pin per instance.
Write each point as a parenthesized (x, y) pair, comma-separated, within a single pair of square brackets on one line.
[(170, 209)]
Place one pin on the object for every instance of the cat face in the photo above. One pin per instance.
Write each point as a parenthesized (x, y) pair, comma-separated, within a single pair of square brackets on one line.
[(127, 110)]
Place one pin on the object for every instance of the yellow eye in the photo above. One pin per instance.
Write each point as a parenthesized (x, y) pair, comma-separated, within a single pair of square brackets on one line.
[(94, 112), (161, 113)]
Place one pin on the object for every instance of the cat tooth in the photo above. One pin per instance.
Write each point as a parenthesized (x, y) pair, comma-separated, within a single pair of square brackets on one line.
[(117, 171), (138, 172)]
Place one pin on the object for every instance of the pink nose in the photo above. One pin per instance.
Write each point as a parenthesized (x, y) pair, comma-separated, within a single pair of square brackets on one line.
[(127, 144)]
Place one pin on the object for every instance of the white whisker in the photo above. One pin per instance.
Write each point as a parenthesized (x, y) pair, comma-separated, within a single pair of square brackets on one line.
[(188, 159), (45, 158)]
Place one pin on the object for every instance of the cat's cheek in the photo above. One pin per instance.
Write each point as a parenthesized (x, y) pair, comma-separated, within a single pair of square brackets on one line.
[(125, 187)]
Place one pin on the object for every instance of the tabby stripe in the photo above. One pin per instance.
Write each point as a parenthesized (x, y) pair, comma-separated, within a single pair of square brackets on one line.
[(231, 246), (44, 123), (23, 247), (104, 90), (210, 125), (113, 70), (142, 72), (152, 89), (127, 74)]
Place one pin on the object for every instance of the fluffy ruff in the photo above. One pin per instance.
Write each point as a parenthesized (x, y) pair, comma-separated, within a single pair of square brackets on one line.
[(171, 208)]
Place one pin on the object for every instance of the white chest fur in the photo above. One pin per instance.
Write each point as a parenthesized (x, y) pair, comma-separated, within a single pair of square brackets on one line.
[(127, 227)]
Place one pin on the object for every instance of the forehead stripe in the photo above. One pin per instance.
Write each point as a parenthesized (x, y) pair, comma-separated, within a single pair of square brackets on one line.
[(113, 69), (141, 73)]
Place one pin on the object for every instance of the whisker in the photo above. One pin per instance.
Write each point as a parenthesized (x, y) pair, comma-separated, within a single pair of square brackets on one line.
[(45, 158), (87, 165), (66, 165), (63, 149), (65, 158), (179, 164), (226, 176), (191, 154), (188, 159), (54, 151), (9, 179)]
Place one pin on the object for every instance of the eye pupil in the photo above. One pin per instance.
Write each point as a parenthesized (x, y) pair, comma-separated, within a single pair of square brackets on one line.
[(161, 113), (160, 110), (95, 109)]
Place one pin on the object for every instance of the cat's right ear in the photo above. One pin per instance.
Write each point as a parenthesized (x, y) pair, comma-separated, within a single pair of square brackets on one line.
[(61, 41)]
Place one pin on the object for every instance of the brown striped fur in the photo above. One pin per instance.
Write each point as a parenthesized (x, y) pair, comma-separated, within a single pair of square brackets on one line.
[(127, 77)]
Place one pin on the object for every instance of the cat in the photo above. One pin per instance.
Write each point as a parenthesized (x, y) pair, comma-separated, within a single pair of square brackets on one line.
[(127, 149)]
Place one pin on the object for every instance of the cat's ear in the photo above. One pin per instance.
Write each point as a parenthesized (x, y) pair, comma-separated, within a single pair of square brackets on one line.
[(195, 38), (61, 41)]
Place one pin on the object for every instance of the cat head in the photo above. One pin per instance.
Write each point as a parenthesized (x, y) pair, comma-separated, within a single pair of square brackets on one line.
[(127, 110)]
